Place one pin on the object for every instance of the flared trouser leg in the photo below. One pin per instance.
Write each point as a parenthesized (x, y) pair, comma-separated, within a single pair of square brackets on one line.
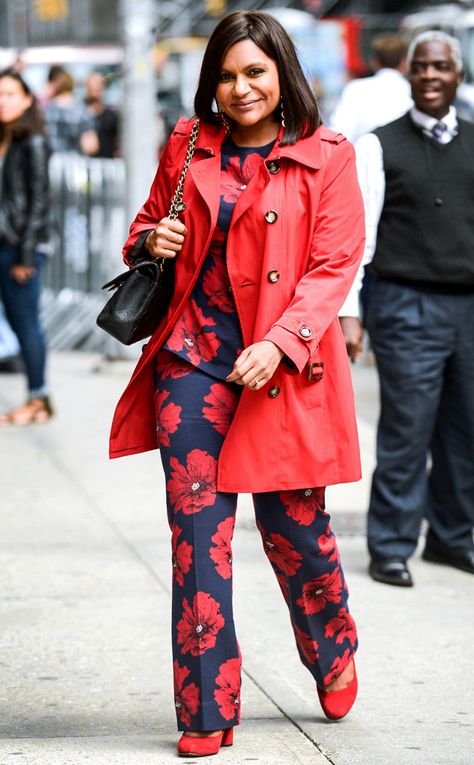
[(302, 550), (194, 412)]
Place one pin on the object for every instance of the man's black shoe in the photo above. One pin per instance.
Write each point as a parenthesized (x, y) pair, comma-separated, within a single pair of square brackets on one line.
[(462, 560), (391, 571)]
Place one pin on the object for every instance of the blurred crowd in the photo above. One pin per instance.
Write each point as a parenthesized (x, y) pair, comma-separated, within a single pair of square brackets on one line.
[(84, 125)]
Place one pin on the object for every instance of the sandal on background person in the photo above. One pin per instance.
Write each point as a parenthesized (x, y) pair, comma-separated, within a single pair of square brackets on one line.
[(35, 411)]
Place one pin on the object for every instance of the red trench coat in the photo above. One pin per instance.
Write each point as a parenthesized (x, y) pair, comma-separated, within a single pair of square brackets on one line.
[(306, 434)]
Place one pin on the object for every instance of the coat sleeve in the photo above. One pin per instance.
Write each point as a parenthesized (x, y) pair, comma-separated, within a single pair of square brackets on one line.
[(36, 153), (336, 250), (155, 208)]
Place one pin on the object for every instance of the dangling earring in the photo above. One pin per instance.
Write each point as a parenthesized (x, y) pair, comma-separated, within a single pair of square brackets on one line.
[(224, 121), (282, 114)]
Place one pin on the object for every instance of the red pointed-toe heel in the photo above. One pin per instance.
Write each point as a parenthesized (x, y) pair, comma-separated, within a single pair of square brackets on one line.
[(190, 746), (337, 704)]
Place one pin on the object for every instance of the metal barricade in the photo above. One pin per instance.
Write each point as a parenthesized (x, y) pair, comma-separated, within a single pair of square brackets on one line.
[(88, 229)]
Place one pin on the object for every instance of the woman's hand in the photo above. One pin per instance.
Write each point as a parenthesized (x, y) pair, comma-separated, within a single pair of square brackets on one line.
[(166, 240), (21, 274), (256, 365)]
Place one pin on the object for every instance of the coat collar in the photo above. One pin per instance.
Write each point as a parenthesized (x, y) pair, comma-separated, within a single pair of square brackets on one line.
[(306, 152)]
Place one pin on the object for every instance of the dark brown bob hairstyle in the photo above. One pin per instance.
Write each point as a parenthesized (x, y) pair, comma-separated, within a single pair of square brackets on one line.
[(30, 121), (300, 107)]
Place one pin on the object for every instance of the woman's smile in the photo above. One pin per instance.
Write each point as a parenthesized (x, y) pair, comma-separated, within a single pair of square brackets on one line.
[(245, 104)]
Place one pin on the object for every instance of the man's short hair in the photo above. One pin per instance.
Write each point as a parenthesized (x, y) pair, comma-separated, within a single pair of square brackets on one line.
[(389, 50), (435, 35)]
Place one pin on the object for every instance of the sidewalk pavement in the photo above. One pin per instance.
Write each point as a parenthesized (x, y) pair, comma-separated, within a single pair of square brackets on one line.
[(85, 664)]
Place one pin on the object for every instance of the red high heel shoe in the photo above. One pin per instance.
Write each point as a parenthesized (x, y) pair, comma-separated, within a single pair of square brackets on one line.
[(203, 746), (336, 704)]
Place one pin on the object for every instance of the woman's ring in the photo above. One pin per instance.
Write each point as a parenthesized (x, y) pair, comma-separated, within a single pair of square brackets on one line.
[(256, 382)]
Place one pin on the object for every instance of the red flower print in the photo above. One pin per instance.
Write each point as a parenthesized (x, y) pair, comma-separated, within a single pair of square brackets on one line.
[(281, 552), (231, 180), (221, 554), (199, 625), (175, 367), (167, 417), (303, 504), (181, 556), (324, 589), (186, 699), (193, 487), (227, 694), (283, 582), (250, 166), (188, 334), (222, 405), (216, 286), (217, 244), (344, 625), (306, 645), (327, 545), (338, 666)]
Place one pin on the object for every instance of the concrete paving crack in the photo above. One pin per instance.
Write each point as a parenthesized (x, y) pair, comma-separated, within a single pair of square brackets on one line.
[(317, 746)]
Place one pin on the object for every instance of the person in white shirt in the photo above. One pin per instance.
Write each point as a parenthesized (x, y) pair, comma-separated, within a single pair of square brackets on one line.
[(370, 102), (417, 180)]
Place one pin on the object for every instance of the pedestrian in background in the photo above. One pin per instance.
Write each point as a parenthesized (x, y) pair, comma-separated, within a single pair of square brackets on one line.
[(105, 119), (417, 178), (69, 125), (245, 385), (370, 102), (366, 104), (23, 229)]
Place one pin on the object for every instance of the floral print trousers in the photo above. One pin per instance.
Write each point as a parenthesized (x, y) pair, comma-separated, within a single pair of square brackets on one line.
[(194, 412)]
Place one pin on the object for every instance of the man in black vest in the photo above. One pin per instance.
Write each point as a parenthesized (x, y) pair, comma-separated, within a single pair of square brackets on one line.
[(417, 177)]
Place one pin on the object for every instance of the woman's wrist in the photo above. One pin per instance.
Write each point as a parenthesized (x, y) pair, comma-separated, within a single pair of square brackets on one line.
[(277, 348)]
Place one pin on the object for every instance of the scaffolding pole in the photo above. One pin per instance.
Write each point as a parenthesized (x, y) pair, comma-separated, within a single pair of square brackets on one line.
[(140, 124)]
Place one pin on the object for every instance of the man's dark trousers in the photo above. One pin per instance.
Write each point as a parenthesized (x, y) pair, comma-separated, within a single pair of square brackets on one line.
[(424, 346)]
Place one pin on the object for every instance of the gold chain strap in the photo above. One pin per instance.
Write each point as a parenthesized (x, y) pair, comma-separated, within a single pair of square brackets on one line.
[(177, 204)]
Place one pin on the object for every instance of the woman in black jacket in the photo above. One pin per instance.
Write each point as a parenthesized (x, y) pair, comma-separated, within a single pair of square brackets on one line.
[(23, 228)]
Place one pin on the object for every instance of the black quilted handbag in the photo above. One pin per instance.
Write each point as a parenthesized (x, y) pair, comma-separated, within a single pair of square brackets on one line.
[(140, 301), (142, 294)]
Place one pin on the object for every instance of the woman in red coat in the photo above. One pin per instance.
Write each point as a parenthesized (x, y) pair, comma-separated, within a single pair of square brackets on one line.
[(245, 384)]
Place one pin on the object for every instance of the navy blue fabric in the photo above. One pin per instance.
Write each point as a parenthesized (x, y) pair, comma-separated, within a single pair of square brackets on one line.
[(21, 303), (424, 346), (208, 333), (194, 412)]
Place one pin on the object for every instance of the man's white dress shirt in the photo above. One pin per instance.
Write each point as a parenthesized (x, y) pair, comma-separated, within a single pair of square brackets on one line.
[(370, 102)]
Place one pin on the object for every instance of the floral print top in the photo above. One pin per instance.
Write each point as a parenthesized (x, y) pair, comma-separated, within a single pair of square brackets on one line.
[(208, 333)]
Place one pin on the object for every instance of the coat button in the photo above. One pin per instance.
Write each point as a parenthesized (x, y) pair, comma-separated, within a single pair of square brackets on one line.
[(439, 202), (306, 332), (271, 216), (273, 276), (273, 167), (274, 392)]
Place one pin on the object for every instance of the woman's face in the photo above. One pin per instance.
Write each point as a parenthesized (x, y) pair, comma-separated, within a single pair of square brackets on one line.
[(249, 87), (13, 100)]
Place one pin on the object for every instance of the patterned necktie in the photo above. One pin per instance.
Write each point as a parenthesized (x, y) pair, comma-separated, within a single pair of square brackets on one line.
[(438, 130)]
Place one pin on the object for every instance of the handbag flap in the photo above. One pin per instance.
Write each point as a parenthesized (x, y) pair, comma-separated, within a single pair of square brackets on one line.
[(150, 266)]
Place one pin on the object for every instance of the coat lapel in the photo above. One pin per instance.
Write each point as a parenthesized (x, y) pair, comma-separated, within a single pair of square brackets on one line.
[(254, 191), (206, 178)]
